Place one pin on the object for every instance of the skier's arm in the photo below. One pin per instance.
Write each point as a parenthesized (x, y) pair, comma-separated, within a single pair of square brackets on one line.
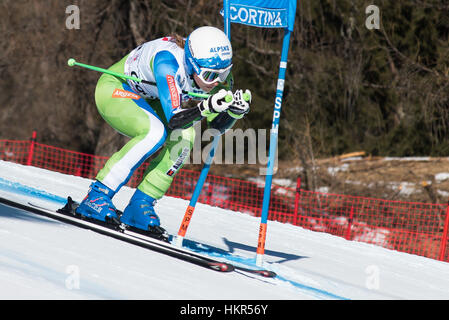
[(185, 118), (165, 68), (208, 108), (219, 114)]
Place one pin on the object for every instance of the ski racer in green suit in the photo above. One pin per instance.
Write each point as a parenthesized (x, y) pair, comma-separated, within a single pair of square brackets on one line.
[(150, 114)]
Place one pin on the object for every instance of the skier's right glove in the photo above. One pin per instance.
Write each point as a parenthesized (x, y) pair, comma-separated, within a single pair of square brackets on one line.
[(216, 103)]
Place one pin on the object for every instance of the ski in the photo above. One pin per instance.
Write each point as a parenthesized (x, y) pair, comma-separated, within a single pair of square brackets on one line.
[(159, 244), (153, 244), (261, 272), (158, 234)]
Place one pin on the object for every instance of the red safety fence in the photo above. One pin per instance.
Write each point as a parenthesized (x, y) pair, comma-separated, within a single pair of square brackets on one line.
[(416, 228)]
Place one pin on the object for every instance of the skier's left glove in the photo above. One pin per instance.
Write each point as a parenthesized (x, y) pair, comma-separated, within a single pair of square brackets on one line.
[(240, 104), (216, 103)]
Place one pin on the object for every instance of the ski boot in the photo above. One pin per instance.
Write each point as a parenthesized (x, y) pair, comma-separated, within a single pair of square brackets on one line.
[(139, 216), (98, 204)]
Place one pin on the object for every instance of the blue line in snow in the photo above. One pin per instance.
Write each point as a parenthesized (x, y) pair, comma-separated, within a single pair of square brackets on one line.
[(317, 292), (29, 191), (251, 264), (246, 262)]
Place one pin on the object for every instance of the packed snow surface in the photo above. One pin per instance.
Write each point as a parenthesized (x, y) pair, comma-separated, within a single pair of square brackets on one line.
[(41, 258)]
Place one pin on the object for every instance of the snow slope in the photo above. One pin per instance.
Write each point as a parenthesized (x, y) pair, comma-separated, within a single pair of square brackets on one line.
[(41, 258)]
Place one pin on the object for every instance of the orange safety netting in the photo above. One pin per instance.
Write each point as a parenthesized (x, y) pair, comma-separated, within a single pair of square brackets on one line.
[(416, 228)]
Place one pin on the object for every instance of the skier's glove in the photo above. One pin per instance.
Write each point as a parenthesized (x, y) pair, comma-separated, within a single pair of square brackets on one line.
[(240, 105), (216, 103)]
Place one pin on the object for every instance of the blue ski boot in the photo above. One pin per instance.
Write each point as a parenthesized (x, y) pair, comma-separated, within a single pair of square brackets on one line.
[(140, 216), (98, 204)]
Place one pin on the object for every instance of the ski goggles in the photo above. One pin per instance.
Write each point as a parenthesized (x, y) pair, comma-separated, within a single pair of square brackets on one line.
[(209, 76)]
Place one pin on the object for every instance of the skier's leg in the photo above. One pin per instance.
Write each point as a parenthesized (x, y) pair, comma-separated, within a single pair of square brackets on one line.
[(133, 117), (160, 173), (157, 179)]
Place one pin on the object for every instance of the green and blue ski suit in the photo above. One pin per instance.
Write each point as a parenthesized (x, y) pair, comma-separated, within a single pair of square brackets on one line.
[(150, 114)]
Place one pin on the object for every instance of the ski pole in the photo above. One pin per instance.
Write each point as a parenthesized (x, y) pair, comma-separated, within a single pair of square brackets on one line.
[(72, 62), (199, 186), (196, 194), (204, 172)]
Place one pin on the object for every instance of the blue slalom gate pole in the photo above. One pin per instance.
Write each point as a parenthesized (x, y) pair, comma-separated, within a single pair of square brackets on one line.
[(272, 150), (227, 18), (205, 171), (196, 193)]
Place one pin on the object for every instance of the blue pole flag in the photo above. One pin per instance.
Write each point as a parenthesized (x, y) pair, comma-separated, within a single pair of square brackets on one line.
[(266, 14), (261, 13)]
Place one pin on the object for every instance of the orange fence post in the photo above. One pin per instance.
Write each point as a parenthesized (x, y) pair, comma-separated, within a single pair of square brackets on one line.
[(209, 193), (348, 230), (31, 149), (444, 237), (298, 189), (78, 170)]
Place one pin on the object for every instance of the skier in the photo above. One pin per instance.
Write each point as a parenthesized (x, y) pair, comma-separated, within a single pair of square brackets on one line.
[(150, 114)]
